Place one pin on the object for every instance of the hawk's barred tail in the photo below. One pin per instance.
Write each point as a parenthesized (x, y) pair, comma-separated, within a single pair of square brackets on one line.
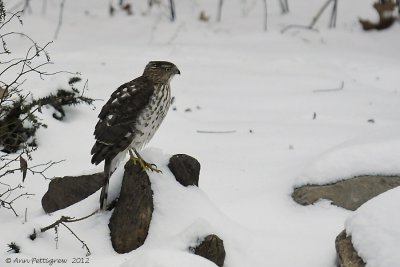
[(104, 190)]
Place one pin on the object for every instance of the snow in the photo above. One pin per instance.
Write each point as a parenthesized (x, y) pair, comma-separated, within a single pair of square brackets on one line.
[(261, 87), (373, 153), (374, 230)]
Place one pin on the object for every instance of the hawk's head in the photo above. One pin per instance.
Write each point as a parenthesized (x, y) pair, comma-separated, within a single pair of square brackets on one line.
[(160, 71)]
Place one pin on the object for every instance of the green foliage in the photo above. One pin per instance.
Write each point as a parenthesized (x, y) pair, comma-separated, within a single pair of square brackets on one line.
[(64, 98), (19, 120), (2, 11), (13, 247)]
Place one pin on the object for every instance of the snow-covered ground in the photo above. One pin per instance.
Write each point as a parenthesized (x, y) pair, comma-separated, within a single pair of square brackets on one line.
[(263, 86)]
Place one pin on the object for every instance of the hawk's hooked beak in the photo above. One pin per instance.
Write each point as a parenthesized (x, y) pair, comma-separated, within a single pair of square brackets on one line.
[(177, 71)]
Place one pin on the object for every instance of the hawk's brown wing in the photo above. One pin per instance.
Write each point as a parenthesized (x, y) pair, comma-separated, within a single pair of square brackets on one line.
[(115, 129)]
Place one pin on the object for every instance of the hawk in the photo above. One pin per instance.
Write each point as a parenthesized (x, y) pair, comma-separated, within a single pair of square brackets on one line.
[(130, 118)]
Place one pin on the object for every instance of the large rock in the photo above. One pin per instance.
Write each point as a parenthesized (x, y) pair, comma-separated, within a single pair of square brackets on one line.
[(212, 248), (347, 255), (68, 190), (130, 221), (386, 11), (349, 194), (186, 169)]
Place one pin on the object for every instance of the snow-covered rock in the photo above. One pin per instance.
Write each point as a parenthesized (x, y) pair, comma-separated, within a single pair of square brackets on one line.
[(375, 231), (349, 194)]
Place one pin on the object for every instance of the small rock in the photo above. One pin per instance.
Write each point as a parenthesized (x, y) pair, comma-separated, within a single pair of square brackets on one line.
[(203, 16), (130, 221), (186, 169), (347, 255), (68, 190), (385, 11), (212, 248), (349, 194)]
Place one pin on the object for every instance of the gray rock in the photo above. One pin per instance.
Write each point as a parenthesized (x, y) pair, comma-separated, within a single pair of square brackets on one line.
[(349, 194), (68, 190), (186, 169), (347, 255), (130, 221), (212, 248)]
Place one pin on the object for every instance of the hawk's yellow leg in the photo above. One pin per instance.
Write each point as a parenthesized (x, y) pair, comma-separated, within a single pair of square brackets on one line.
[(143, 164)]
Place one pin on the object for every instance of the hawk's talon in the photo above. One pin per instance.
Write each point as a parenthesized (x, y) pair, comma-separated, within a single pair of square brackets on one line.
[(143, 164)]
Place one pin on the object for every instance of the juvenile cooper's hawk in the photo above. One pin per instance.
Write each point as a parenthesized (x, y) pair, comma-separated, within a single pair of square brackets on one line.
[(130, 118)]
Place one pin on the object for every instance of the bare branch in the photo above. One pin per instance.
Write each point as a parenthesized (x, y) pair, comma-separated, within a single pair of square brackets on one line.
[(265, 15), (84, 245), (299, 27), (216, 132), (332, 22), (60, 19), (330, 90), (13, 15), (220, 4), (172, 8), (46, 166), (315, 19), (63, 220), (8, 204)]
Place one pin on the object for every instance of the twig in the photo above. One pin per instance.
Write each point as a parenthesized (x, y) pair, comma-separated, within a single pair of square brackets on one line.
[(13, 15), (44, 7), (84, 245), (176, 33), (17, 6), (60, 19), (46, 165), (298, 26), (287, 6), (216, 132), (330, 90), (265, 15), (154, 29), (284, 6), (315, 19), (85, 86), (332, 23), (27, 7), (8, 204), (9, 190), (172, 8), (219, 13), (63, 220)]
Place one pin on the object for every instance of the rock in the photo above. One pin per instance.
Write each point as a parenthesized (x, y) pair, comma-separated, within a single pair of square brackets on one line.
[(381, 25), (212, 248), (130, 221), (385, 11), (186, 169), (349, 194), (347, 255), (68, 190)]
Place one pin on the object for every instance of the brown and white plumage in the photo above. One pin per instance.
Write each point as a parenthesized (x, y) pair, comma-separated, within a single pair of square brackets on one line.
[(131, 116)]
